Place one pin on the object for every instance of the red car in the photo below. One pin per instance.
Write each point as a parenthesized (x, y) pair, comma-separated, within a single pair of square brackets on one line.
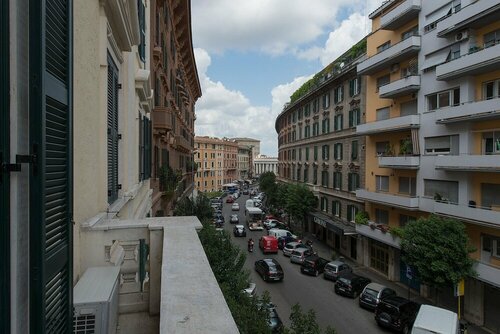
[(230, 199)]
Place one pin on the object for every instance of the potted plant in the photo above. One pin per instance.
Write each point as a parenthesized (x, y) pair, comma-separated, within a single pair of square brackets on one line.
[(361, 218), (406, 147), (389, 150)]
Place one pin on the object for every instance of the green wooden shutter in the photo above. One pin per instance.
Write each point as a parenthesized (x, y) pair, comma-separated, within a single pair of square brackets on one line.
[(112, 130), (51, 171), (354, 150), (4, 176)]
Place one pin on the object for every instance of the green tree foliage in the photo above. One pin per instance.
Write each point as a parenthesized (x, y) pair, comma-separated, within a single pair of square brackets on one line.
[(267, 182), (200, 208), (438, 248), (305, 323), (299, 201), (226, 261)]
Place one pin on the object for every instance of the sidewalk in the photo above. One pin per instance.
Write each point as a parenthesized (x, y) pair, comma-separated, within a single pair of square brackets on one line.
[(325, 251)]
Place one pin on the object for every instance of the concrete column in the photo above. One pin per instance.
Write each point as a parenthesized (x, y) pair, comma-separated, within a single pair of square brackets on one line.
[(155, 261), (474, 301)]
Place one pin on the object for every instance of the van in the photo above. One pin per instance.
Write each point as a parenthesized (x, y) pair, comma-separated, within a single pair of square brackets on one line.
[(431, 319), (268, 244), (276, 232), (249, 203)]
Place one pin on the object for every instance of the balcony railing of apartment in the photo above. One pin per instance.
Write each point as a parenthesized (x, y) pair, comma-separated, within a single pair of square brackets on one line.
[(406, 85), (480, 109), (399, 200), (400, 162), (389, 125), (477, 13), (395, 53), (162, 119), (379, 233), (468, 162), (402, 14), (477, 61), (487, 273)]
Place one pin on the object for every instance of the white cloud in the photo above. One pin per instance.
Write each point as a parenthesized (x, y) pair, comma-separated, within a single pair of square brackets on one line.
[(222, 112)]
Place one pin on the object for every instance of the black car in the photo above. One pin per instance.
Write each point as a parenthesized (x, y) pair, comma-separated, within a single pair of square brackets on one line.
[(396, 313), (282, 241), (275, 322), (269, 270), (350, 284), (313, 265), (219, 223)]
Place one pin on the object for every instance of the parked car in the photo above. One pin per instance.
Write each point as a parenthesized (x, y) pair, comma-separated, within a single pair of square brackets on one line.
[(291, 246), (396, 313), (282, 241), (235, 207), (350, 285), (271, 223), (239, 231), (436, 320), (299, 254), (276, 232), (219, 223), (269, 270), (373, 293), (251, 289), (246, 192), (268, 244), (275, 322), (234, 219), (313, 265), (230, 199), (336, 268)]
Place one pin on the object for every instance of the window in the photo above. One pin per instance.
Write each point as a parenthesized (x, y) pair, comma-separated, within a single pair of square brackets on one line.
[(405, 219), (491, 38), (326, 101), (324, 179), (307, 153), (307, 131), (315, 153), (354, 117), (383, 113), (491, 90), (454, 52), (353, 181), (300, 154), (306, 175), (442, 145), (443, 99), (293, 154), (382, 183), (441, 190), (354, 150), (408, 186), (336, 208), (325, 152), (325, 125), (383, 80), (315, 106), (112, 105), (298, 174), (411, 32), (354, 86), (301, 110), (315, 176), (491, 143), (337, 180), (352, 210), (315, 129), (338, 121), (384, 46), (338, 94), (381, 216), (307, 110), (324, 204), (300, 132), (294, 117), (142, 30), (490, 196), (337, 151), (409, 108)]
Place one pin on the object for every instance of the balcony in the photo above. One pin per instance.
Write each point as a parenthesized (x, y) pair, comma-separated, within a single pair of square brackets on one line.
[(405, 202), (404, 86), (399, 51), (477, 215), (487, 273), (400, 15), (477, 14), (469, 111), (179, 284), (473, 63), (182, 143), (162, 119), (401, 162), (377, 234), (389, 125), (468, 163)]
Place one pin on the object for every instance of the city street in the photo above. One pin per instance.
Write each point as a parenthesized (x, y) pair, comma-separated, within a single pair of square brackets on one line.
[(311, 292)]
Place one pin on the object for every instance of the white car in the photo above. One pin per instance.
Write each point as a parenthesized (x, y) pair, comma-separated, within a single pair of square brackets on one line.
[(250, 291), (255, 227), (235, 207)]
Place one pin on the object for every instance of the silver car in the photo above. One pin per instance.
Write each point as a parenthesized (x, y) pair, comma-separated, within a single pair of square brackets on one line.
[(291, 246), (299, 254), (334, 269)]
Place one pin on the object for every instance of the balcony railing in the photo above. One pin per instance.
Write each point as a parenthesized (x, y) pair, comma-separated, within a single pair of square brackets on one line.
[(378, 234), (404, 86), (472, 14), (488, 273), (389, 125), (468, 111), (468, 212), (402, 14), (162, 119), (397, 52), (468, 162), (477, 61), (400, 162), (406, 202)]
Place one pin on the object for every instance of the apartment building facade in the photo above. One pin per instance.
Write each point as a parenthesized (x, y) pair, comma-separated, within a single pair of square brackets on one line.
[(319, 147), (432, 120), (209, 160), (249, 148), (176, 89)]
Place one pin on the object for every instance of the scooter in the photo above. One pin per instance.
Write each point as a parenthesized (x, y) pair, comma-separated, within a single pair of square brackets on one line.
[(250, 247)]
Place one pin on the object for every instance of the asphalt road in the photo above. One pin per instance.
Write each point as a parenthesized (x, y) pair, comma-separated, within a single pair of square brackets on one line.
[(310, 292)]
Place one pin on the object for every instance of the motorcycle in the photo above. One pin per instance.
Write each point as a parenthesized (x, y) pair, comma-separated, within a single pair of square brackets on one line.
[(250, 247)]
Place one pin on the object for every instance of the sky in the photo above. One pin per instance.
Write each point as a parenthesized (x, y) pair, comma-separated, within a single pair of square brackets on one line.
[(252, 55)]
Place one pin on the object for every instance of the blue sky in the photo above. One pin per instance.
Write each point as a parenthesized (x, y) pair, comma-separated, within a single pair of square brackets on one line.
[(252, 55)]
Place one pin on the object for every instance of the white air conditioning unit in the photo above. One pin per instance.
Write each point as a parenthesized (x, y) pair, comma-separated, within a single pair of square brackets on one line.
[(95, 301), (461, 36)]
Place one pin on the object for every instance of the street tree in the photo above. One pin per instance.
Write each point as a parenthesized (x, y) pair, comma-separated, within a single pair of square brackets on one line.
[(199, 207), (267, 181), (438, 248), (305, 322), (299, 202)]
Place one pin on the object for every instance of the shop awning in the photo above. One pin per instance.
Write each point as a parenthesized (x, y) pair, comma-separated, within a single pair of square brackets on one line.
[(339, 227)]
